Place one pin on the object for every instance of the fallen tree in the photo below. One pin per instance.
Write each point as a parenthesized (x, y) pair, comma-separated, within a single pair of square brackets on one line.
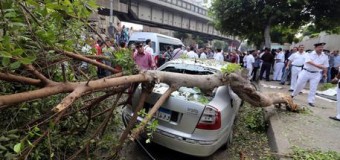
[(46, 97)]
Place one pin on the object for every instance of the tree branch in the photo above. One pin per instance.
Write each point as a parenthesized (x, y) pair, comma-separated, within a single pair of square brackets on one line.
[(15, 78), (146, 91), (37, 74), (154, 109), (68, 100), (85, 59)]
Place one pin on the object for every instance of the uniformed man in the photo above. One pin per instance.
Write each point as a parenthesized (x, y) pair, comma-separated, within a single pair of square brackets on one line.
[(297, 60), (279, 64), (337, 80), (315, 63)]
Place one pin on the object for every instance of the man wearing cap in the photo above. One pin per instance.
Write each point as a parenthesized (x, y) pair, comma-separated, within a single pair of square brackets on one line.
[(142, 58), (297, 60), (315, 63)]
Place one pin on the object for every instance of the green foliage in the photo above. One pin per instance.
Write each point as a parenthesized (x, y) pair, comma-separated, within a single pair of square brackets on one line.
[(203, 100), (218, 44), (123, 58), (255, 119), (29, 32), (232, 17), (253, 144), (150, 128), (231, 68), (326, 86), (299, 153)]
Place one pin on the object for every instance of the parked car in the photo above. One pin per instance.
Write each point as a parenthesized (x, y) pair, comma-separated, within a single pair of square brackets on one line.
[(191, 121)]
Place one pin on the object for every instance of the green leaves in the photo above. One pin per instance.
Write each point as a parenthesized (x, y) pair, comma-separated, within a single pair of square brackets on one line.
[(230, 68), (17, 148)]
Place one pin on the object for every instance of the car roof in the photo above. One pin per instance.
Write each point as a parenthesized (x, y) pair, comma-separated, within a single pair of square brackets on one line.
[(206, 63)]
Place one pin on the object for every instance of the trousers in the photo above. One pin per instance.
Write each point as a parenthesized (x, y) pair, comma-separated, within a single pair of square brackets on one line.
[(338, 103), (303, 77), (265, 67), (250, 71), (294, 76), (278, 71)]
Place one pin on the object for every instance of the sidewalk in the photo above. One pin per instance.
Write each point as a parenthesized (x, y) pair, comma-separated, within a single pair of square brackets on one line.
[(311, 129)]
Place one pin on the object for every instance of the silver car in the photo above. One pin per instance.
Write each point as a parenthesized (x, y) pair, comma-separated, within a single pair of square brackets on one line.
[(191, 121)]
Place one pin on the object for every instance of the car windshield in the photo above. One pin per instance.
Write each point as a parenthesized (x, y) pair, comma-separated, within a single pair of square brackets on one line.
[(188, 69)]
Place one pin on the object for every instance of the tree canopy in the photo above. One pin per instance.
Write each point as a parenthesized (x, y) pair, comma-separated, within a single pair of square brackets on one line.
[(254, 20)]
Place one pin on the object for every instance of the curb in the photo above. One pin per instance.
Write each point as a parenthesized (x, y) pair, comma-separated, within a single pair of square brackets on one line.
[(278, 143)]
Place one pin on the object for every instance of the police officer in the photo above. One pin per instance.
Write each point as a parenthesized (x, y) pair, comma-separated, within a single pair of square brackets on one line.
[(337, 80), (315, 63), (297, 60)]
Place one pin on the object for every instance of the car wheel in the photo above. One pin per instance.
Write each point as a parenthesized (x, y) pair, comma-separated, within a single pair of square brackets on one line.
[(229, 141)]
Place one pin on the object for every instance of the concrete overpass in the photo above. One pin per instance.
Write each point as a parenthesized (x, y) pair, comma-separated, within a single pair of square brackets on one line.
[(176, 15)]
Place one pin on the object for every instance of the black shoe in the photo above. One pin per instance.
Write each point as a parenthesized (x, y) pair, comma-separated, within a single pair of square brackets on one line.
[(334, 118), (292, 96), (290, 90), (282, 83), (311, 104)]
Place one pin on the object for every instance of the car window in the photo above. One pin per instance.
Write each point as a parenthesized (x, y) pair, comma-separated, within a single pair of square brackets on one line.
[(198, 71)]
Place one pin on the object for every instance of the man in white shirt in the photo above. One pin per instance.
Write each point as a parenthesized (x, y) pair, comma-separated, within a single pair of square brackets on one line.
[(315, 63), (245, 60), (219, 56), (279, 64), (148, 47), (297, 60), (191, 53), (203, 54), (250, 62)]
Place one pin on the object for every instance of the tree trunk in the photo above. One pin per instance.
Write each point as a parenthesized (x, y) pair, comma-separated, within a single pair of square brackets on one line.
[(267, 39)]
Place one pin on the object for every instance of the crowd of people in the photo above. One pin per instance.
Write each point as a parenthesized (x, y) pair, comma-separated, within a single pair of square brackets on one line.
[(295, 66)]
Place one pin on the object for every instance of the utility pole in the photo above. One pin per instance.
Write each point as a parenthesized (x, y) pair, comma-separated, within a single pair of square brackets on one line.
[(111, 29)]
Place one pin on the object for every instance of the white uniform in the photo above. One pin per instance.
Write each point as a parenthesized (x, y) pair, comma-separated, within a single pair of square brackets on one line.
[(338, 101), (203, 55), (311, 73), (219, 57), (245, 60), (279, 64), (250, 61), (297, 59), (192, 54)]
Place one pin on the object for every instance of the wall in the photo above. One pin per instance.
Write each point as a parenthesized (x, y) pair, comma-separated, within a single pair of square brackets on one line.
[(332, 42)]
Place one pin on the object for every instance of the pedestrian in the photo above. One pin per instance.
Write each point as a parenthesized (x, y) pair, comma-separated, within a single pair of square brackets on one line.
[(287, 71), (219, 55), (336, 64), (336, 80), (256, 64), (267, 60), (250, 62), (245, 58), (316, 63), (142, 58), (204, 54), (279, 64), (177, 52), (192, 53), (296, 60)]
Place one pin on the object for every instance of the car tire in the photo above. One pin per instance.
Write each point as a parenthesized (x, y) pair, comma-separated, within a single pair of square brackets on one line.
[(229, 141)]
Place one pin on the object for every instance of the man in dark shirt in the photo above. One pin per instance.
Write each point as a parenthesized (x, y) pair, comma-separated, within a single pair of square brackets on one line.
[(267, 60)]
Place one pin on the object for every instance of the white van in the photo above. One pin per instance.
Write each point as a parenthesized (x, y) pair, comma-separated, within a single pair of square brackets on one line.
[(159, 42)]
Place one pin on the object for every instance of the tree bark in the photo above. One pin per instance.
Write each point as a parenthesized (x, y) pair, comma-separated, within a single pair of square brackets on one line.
[(267, 38)]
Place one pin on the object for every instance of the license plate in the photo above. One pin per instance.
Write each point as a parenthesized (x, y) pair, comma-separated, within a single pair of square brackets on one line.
[(164, 114)]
